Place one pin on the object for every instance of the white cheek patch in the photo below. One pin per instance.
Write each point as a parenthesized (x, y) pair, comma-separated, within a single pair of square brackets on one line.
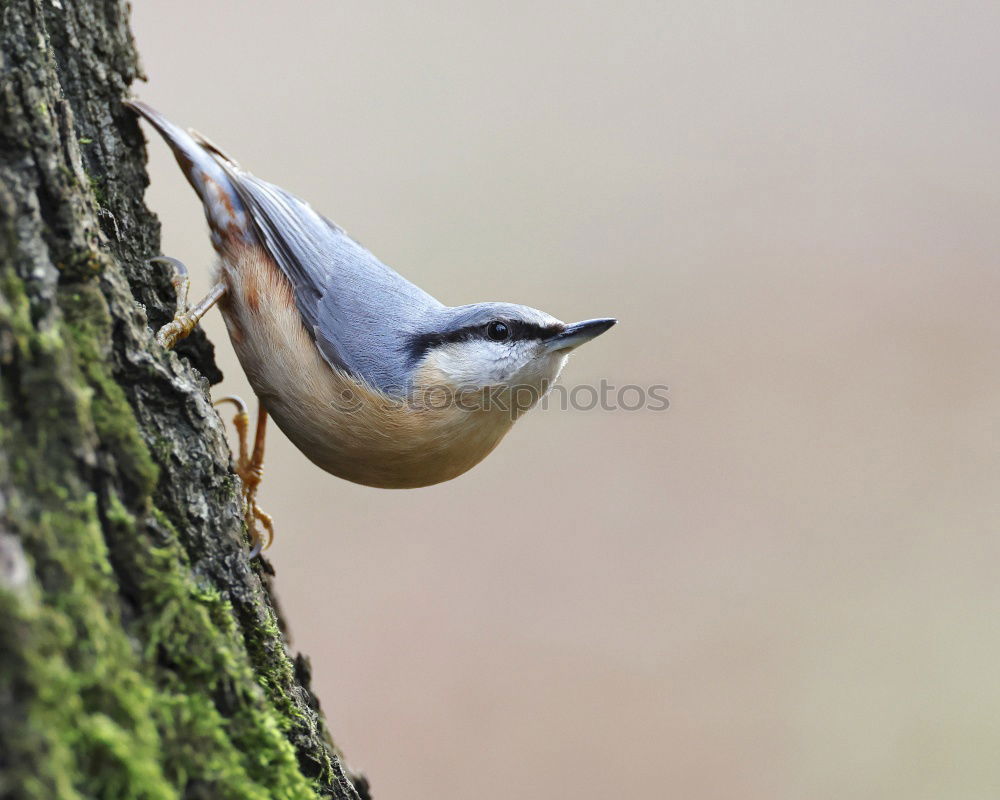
[(474, 363), (481, 363)]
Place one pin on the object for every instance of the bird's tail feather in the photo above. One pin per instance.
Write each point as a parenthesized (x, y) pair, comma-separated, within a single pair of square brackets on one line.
[(197, 158)]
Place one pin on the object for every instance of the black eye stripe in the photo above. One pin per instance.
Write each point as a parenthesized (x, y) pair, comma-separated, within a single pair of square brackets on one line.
[(519, 330)]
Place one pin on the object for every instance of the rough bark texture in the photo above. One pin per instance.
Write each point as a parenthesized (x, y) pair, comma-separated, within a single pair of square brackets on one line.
[(141, 654)]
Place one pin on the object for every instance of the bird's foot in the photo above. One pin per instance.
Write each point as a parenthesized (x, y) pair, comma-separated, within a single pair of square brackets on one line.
[(182, 324), (187, 317), (250, 468), (171, 333)]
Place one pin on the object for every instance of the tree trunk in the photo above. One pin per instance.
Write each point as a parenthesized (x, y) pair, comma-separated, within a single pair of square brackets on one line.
[(141, 654)]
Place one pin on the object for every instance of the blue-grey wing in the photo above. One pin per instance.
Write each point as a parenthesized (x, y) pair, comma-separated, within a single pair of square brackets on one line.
[(358, 311)]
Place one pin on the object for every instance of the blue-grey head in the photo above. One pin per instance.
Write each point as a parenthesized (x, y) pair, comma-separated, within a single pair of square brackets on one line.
[(496, 346)]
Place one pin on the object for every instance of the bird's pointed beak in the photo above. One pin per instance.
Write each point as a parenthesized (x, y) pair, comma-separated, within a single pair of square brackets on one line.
[(574, 335)]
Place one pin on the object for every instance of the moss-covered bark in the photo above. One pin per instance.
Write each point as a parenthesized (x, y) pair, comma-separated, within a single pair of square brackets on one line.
[(141, 654)]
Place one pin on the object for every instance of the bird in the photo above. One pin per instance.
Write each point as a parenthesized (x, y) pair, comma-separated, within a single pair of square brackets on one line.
[(374, 380)]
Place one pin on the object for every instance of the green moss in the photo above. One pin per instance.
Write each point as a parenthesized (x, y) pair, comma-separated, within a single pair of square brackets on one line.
[(89, 707), (184, 714), (88, 325), (97, 190)]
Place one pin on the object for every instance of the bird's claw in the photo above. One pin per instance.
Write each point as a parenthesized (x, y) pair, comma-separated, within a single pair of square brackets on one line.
[(250, 468), (267, 523), (183, 322)]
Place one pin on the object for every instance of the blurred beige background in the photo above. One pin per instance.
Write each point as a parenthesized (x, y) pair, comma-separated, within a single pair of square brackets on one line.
[(786, 586)]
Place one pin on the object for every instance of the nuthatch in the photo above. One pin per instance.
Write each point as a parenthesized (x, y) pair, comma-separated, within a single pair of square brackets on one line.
[(370, 377)]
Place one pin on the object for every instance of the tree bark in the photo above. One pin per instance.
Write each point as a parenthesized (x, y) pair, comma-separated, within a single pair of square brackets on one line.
[(141, 653)]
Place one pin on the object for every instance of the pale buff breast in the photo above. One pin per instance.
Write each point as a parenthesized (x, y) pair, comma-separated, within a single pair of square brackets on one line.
[(343, 426)]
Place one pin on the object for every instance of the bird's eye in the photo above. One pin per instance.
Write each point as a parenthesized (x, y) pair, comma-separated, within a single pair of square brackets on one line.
[(498, 331)]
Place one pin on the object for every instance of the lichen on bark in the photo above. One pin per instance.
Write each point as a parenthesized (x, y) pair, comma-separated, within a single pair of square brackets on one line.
[(141, 654)]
